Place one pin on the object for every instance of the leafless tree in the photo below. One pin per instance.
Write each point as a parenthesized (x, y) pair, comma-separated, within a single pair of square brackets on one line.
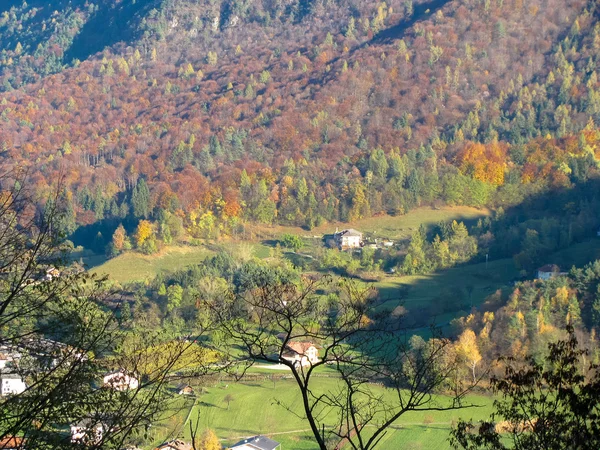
[(59, 337), (382, 375)]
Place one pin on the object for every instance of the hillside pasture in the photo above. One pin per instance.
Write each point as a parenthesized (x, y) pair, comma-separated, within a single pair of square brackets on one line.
[(382, 226), (134, 266), (443, 295), (256, 409)]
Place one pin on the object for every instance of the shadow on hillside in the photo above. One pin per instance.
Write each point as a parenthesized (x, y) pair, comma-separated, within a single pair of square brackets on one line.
[(559, 228), (96, 236), (112, 23), (44, 10), (420, 12)]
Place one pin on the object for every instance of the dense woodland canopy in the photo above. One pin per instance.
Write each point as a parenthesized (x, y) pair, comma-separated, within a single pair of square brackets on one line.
[(210, 114), (171, 118)]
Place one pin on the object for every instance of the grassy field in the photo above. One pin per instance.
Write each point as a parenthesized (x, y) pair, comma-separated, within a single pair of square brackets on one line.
[(391, 227), (254, 410), (452, 292), (134, 266), (460, 287), (439, 297), (399, 227), (577, 255)]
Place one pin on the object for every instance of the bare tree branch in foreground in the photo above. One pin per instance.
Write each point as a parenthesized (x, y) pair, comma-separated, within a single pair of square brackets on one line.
[(60, 339), (381, 376)]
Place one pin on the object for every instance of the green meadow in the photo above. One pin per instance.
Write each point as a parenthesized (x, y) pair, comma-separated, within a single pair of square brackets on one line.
[(135, 266), (256, 408), (385, 226)]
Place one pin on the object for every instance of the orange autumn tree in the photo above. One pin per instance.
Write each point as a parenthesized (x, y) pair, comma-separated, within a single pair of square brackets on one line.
[(484, 162), (120, 241)]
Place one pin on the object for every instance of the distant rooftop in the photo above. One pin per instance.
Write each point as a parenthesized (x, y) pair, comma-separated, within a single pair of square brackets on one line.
[(299, 347), (257, 442), (549, 268), (175, 444), (350, 232), (8, 375), (10, 442)]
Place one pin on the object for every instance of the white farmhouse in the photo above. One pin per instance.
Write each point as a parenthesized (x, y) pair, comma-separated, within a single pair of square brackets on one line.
[(348, 239), (11, 384), (301, 353), (120, 381), (548, 271)]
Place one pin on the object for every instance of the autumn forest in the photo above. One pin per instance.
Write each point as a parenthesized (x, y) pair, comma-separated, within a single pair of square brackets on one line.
[(166, 121)]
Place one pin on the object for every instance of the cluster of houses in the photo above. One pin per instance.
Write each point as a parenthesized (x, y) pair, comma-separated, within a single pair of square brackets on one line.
[(46, 352), (90, 431), (351, 239)]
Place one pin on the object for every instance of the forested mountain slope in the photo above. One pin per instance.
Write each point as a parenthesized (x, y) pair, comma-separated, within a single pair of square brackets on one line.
[(297, 112)]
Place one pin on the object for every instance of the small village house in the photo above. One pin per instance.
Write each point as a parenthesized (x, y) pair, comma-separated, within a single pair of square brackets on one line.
[(175, 444), (548, 271), (11, 384), (87, 432), (185, 389), (12, 443), (120, 381), (51, 273), (301, 353), (257, 443), (348, 239)]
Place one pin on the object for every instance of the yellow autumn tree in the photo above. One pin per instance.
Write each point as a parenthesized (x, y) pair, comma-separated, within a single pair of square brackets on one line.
[(143, 232), (210, 441), (360, 203), (468, 350), (488, 319), (561, 298)]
